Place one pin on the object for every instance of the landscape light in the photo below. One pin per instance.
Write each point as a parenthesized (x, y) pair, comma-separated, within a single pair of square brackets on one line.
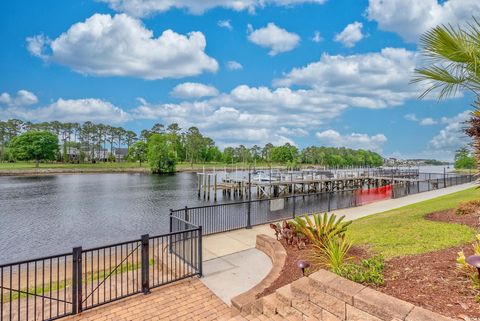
[(302, 264), (474, 260)]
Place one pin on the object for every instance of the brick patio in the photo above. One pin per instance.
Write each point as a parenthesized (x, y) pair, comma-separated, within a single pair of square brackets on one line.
[(185, 300)]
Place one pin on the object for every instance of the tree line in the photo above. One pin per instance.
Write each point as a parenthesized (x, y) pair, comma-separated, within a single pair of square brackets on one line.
[(164, 146)]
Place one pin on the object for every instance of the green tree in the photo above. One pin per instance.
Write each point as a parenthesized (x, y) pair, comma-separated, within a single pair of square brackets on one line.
[(35, 145), (161, 153), (138, 152), (464, 159), (284, 154), (454, 59)]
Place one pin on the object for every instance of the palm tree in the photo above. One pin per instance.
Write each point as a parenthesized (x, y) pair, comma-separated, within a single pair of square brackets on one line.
[(453, 55)]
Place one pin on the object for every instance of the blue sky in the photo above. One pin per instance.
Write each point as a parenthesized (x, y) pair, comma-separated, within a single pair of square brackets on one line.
[(309, 72)]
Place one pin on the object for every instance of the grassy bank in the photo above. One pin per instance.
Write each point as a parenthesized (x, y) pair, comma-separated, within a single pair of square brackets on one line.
[(19, 167), (405, 231)]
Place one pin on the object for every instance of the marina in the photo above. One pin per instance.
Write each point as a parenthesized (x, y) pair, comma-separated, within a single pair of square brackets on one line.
[(269, 183)]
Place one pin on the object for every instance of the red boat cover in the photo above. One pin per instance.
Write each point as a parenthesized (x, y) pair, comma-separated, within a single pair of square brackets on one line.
[(365, 196)]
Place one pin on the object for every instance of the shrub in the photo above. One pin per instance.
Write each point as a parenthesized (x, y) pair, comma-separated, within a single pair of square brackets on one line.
[(333, 253), (369, 271), (470, 207), (287, 232), (322, 228), (468, 271)]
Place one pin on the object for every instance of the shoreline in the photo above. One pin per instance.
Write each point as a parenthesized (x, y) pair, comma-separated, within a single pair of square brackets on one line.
[(127, 170)]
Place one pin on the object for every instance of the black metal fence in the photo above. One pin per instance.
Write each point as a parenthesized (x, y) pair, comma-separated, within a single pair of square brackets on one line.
[(245, 214), (56, 286)]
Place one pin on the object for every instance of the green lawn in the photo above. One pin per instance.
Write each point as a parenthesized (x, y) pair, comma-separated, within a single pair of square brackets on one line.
[(404, 231), (124, 165), (31, 165)]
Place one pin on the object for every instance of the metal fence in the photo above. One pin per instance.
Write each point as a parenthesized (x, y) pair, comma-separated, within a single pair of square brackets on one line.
[(245, 214), (56, 286)]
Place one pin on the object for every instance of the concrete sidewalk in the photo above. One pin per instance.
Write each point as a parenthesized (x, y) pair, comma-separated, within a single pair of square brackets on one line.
[(222, 244)]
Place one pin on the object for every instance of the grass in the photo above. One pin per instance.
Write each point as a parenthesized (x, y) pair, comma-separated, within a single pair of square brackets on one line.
[(120, 165), (31, 165), (405, 231)]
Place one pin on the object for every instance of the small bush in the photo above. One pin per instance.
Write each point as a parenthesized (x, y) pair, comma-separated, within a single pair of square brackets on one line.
[(369, 271), (287, 232), (471, 207), (321, 228), (469, 272), (333, 253)]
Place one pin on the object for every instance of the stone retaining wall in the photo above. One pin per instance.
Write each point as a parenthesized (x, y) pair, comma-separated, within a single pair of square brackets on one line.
[(276, 252)]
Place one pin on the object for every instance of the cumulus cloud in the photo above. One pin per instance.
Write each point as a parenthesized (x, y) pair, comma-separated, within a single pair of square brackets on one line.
[(452, 136), (317, 37), (428, 121), (411, 18), (354, 140), (121, 46), (141, 8), (350, 35), (234, 65), (193, 90), (23, 98), (249, 114), (225, 24), (71, 110), (276, 39), (411, 117), (371, 80)]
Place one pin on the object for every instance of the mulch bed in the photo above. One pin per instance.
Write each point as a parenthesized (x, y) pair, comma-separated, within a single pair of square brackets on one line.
[(428, 280), (431, 281), (449, 216)]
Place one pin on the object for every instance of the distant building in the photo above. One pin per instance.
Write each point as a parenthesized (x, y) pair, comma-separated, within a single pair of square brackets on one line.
[(120, 153)]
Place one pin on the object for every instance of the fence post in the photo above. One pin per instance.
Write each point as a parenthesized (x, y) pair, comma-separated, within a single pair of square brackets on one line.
[(170, 231), (77, 280), (294, 206), (444, 179), (328, 200), (145, 261), (187, 218), (249, 204), (200, 251)]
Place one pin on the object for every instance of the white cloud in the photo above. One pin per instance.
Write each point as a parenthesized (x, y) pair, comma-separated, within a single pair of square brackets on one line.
[(225, 24), (71, 110), (428, 121), (411, 117), (234, 65), (293, 132), (333, 138), (278, 40), (317, 37), (193, 90), (141, 8), (23, 98), (411, 18), (249, 114), (452, 136), (350, 35), (121, 46), (372, 80)]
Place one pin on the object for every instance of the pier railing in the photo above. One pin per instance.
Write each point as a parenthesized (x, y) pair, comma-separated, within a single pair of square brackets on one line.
[(52, 287), (224, 217)]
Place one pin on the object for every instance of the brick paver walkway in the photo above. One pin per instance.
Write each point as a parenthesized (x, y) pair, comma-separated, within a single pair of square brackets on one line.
[(185, 300)]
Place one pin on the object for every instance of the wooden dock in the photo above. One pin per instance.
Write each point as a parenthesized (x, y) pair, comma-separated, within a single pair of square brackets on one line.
[(290, 183)]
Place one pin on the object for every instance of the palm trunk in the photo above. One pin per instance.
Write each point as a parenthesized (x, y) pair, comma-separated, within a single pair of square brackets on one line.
[(473, 130)]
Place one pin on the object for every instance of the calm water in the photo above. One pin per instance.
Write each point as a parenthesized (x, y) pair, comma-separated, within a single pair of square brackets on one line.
[(51, 214)]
